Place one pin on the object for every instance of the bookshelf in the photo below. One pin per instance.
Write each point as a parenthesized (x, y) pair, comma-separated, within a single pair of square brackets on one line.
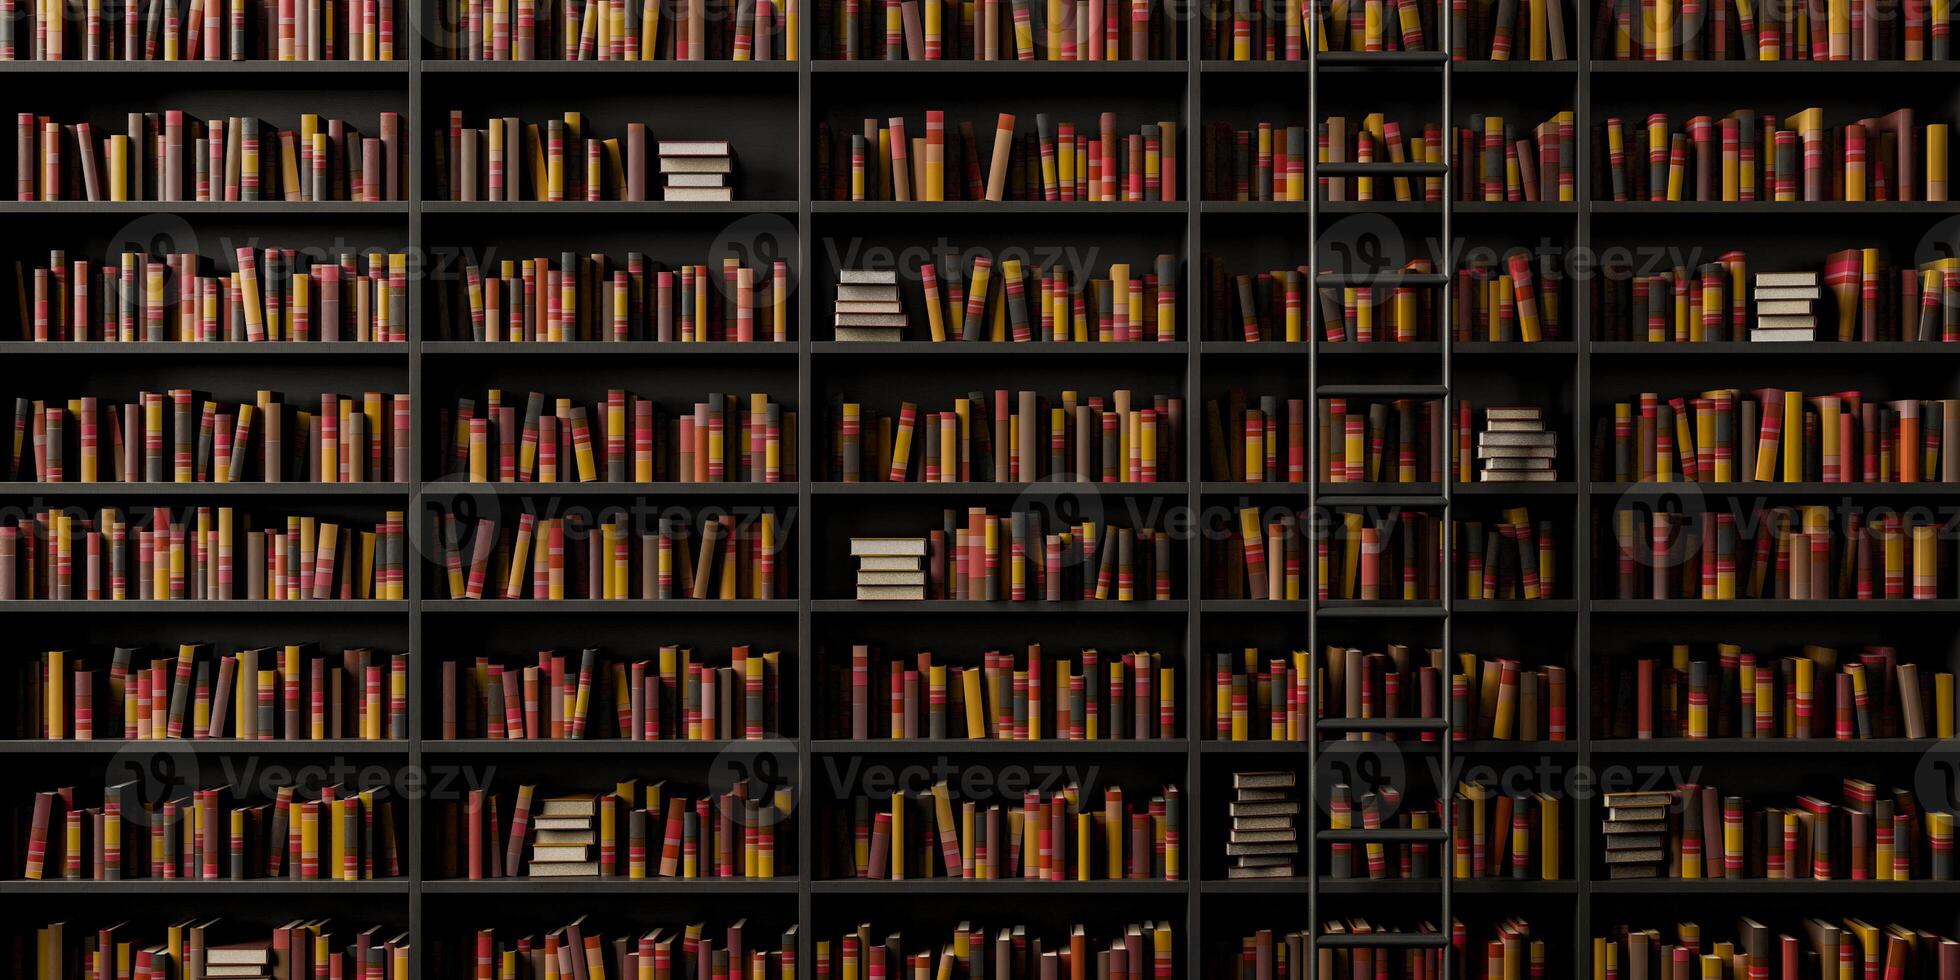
[(760, 107)]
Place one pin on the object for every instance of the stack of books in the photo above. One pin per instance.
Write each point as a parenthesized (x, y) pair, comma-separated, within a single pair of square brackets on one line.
[(890, 568), (868, 306), (565, 838), (1635, 830), (239, 961), (697, 170), (1263, 841), (1514, 446), (1785, 306)]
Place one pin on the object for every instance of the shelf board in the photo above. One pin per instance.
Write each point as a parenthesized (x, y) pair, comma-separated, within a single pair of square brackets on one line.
[(1793, 67), (1264, 488), (1044, 488), (1383, 59), (1754, 607), (1847, 209), (1378, 348), (541, 607), (1552, 489), (861, 887), (1477, 348), (256, 70), (1254, 207), (1076, 607), (1338, 493), (1475, 746), (997, 746), (1380, 609), (136, 887), (281, 349), (1021, 209), (1262, 348), (613, 886), (1681, 888), (1378, 207), (1825, 348), (1252, 746), (586, 209), (1297, 607), (152, 607), (200, 490), (1036, 66), (1771, 746), (130, 209), (552, 66), (1296, 885), (1032, 348), (199, 746), (1780, 490), (605, 746), (1411, 887), (1383, 391), (605, 488), (1516, 67), (1513, 607), (608, 348)]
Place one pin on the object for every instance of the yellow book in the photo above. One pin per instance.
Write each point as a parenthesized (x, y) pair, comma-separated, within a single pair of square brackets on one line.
[(898, 838), (1549, 823), (1792, 440)]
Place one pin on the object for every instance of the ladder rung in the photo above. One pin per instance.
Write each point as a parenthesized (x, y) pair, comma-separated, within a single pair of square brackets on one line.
[(1398, 940), (1383, 724), (1385, 835), (1381, 169)]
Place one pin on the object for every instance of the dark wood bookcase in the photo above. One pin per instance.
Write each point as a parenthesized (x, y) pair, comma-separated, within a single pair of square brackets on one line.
[(769, 112)]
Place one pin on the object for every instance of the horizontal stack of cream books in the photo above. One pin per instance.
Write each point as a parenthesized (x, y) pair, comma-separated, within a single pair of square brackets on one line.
[(890, 568), (697, 170), (868, 307), (1786, 306), (1514, 446), (564, 841)]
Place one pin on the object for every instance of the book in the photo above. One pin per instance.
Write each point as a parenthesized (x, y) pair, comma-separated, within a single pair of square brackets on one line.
[(216, 31), (1870, 834), (1745, 552), (1815, 691), (1746, 156), (729, 438), (639, 299), (1841, 30), (1862, 297), (675, 556), (1091, 161), (1255, 306), (1266, 162), (267, 295), (1809, 945), (948, 830), (1260, 840), (1502, 698), (1042, 31), (1271, 955), (1028, 697), (627, 949), (203, 553), (1507, 557), (201, 946), (557, 160), (1000, 296), (131, 694), (1777, 435), (209, 834), (235, 158), (1379, 441), (767, 30), (977, 555), (183, 436), (680, 693), (637, 829), (1008, 436), (1378, 557)]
